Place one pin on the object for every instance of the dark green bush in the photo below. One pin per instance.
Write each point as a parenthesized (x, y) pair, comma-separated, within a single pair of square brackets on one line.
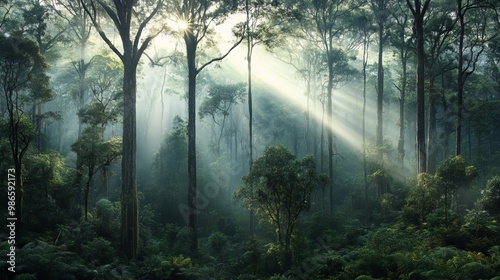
[(98, 252), (217, 242)]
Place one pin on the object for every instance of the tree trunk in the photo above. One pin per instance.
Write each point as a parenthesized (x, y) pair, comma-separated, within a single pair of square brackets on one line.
[(82, 72), (401, 142), (322, 153), (363, 129), (460, 81), (420, 137), (380, 92), (191, 45), (431, 133), (329, 130), (129, 211), (250, 106)]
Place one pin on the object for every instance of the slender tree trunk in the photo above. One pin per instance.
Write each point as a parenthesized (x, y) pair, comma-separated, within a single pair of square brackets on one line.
[(380, 93), (431, 133), (322, 153), (191, 45), (82, 73), (308, 95), (363, 128), (250, 105), (460, 80), (329, 130), (401, 142), (87, 191), (418, 14), (420, 98)]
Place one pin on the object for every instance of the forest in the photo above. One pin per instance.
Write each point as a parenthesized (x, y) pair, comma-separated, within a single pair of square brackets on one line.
[(250, 139)]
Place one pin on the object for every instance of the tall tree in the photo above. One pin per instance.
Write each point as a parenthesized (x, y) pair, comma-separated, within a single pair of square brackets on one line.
[(265, 25), (469, 51), (219, 102), (380, 10), (402, 42), (40, 25), (23, 82), (280, 186), (195, 21), (80, 29), (364, 29), (439, 29), (418, 10), (130, 19), (327, 18)]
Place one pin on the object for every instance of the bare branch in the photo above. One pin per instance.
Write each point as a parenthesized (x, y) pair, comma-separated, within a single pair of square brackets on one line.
[(220, 57)]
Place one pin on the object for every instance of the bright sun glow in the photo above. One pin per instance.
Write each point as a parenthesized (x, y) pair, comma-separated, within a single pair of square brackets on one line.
[(181, 25)]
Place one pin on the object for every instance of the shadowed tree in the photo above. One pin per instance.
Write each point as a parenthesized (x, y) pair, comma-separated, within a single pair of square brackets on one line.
[(218, 104), (195, 20), (418, 10), (380, 10), (259, 30), (96, 153), (80, 28), (363, 28), (327, 18), (42, 27), (131, 19), (439, 29), (23, 83), (474, 22), (402, 41)]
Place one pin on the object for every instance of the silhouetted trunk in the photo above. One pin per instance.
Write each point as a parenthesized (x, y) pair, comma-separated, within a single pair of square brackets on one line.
[(87, 191), (250, 107), (402, 97), (380, 92), (308, 96), (329, 131), (322, 153), (191, 45), (129, 211), (431, 133), (418, 12), (363, 129), (460, 80), (122, 15)]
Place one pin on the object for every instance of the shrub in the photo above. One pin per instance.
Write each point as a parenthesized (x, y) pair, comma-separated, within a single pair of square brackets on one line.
[(217, 242), (98, 251), (475, 270), (490, 199)]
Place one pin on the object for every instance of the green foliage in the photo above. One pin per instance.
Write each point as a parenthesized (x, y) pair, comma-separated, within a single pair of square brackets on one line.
[(46, 175), (26, 276), (252, 254), (454, 173), (279, 187), (98, 252), (50, 262), (490, 197), (220, 100), (174, 268), (217, 242), (105, 219), (169, 237), (170, 174), (421, 200), (94, 150), (183, 238)]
